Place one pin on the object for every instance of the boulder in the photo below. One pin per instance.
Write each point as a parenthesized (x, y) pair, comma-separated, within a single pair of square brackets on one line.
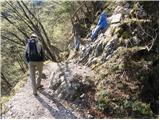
[(66, 80), (65, 84), (99, 49), (109, 48), (116, 18), (118, 9)]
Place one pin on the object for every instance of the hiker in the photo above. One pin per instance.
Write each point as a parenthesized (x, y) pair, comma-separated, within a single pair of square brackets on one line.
[(35, 56), (77, 37), (101, 25)]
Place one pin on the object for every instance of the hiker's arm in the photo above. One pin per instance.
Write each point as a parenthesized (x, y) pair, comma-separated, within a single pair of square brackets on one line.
[(100, 20), (26, 56)]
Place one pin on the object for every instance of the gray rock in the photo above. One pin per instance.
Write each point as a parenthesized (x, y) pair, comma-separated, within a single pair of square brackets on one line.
[(90, 116), (127, 11), (109, 48), (109, 56), (99, 49), (118, 9), (127, 5), (65, 86), (116, 18)]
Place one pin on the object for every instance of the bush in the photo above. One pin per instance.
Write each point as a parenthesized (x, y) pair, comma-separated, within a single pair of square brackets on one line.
[(141, 110), (103, 101)]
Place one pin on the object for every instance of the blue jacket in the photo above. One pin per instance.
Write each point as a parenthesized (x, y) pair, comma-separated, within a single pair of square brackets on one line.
[(102, 22)]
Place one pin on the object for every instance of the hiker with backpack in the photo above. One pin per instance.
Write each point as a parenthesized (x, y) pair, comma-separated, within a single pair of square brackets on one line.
[(35, 57)]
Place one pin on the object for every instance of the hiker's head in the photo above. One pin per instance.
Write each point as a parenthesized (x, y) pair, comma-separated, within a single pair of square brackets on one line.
[(33, 35), (98, 13)]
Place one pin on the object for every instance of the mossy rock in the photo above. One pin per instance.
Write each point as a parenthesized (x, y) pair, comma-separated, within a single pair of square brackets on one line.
[(126, 35), (141, 110), (123, 31), (102, 100), (119, 32)]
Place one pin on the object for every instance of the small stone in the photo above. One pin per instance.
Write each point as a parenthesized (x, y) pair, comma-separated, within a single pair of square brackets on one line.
[(82, 95), (62, 78), (60, 95), (11, 113), (10, 106), (90, 116), (83, 100)]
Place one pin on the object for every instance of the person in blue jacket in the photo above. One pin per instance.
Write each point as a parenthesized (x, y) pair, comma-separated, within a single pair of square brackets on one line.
[(102, 24)]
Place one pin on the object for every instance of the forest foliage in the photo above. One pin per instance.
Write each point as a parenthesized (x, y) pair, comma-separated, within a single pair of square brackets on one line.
[(51, 20)]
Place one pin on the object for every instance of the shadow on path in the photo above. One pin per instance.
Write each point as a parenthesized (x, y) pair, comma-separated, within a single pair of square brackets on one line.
[(61, 113)]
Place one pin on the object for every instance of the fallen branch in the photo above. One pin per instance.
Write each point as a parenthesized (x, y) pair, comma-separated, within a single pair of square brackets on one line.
[(153, 38)]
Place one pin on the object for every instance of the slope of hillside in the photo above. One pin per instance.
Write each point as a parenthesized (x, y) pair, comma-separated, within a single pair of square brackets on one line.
[(115, 76), (47, 104), (126, 59)]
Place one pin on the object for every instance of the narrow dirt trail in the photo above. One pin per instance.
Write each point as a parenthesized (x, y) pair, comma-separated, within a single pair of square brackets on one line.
[(25, 105)]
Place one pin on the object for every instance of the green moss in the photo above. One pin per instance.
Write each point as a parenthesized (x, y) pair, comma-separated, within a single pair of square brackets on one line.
[(141, 110), (102, 101), (119, 32), (103, 76), (126, 35)]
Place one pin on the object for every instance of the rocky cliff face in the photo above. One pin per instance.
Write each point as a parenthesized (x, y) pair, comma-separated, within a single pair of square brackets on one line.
[(125, 59)]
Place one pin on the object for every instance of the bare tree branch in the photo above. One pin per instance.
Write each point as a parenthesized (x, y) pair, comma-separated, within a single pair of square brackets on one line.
[(4, 37), (5, 17), (150, 45)]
